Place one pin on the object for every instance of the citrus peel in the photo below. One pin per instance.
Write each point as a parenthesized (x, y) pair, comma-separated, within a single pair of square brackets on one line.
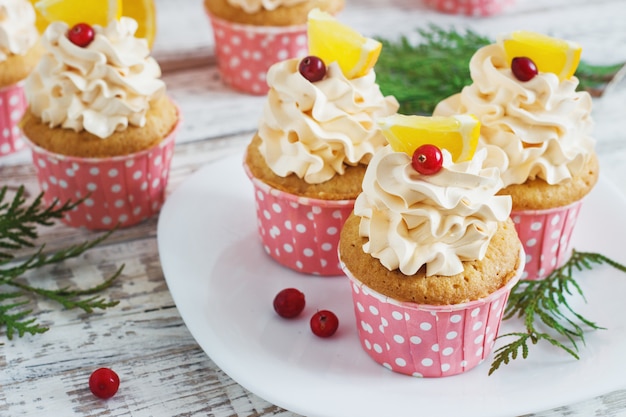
[(98, 12), (458, 134), (549, 54), (332, 41)]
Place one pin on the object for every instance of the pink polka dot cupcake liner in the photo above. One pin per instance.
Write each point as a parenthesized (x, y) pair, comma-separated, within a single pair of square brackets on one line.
[(546, 236), (119, 191), (470, 7), (298, 232), (428, 341), (12, 106), (245, 52)]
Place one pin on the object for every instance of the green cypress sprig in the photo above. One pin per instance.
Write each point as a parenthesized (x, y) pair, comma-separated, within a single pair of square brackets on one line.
[(18, 230), (546, 301)]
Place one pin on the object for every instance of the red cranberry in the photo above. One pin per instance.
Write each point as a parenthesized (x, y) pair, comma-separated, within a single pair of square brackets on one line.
[(324, 323), (104, 383), (523, 68), (289, 302), (427, 159), (81, 34), (312, 68)]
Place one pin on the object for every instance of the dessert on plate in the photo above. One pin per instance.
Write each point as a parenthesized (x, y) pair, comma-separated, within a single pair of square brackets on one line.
[(536, 128), (430, 250), (100, 124), (19, 53), (314, 140), (251, 35)]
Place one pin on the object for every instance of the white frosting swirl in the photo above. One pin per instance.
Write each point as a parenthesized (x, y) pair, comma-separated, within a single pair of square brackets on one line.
[(315, 129), (17, 28), (253, 6), (535, 129), (439, 220), (101, 88)]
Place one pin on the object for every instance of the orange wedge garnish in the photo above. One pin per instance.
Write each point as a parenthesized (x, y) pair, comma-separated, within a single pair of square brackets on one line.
[(98, 12), (333, 41), (549, 54), (457, 134)]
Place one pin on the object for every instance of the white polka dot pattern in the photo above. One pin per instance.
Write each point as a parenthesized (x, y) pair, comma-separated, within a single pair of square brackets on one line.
[(546, 236), (426, 340), (300, 233), (122, 190), (12, 106), (246, 52), (470, 7)]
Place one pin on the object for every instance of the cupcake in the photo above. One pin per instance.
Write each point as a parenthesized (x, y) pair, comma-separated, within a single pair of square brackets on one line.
[(431, 256), (478, 8), (19, 53), (308, 158), (251, 35), (536, 128), (100, 125)]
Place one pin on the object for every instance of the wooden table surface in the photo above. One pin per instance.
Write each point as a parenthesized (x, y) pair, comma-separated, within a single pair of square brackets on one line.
[(163, 370)]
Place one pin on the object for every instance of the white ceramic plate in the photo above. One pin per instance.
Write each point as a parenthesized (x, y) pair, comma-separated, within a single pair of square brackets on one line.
[(223, 285)]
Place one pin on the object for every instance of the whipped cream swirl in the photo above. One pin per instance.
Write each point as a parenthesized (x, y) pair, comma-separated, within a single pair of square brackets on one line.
[(535, 129), (440, 220), (314, 130), (253, 6), (102, 88), (17, 28)]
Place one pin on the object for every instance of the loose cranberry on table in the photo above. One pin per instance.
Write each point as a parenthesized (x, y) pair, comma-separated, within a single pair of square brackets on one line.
[(523, 68), (312, 68), (427, 159), (81, 34), (289, 303), (104, 383), (324, 323)]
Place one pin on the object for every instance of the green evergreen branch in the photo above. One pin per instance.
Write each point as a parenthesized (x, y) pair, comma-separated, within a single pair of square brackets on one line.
[(18, 221), (422, 74), (69, 298), (15, 322), (18, 229), (545, 301)]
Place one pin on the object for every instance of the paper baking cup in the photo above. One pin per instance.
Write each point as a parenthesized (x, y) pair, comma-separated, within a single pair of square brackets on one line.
[(12, 106), (470, 7), (120, 191), (245, 52), (428, 341), (298, 232), (546, 236)]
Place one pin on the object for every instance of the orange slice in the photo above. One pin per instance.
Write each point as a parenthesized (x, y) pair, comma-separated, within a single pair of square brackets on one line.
[(144, 12), (333, 41), (98, 12), (93, 12), (549, 54), (458, 134)]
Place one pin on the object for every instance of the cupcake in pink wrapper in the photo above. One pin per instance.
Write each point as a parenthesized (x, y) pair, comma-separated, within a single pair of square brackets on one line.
[(19, 53), (431, 260), (12, 106), (107, 134), (300, 233), (538, 134), (245, 52), (426, 340), (470, 7), (119, 191), (546, 236), (308, 158), (251, 35)]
